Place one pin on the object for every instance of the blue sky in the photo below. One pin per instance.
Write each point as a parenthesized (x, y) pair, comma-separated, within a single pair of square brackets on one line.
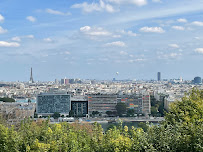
[(96, 38)]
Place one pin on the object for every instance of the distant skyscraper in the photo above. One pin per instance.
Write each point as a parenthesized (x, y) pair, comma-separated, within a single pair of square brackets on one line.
[(197, 80), (159, 76), (31, 77), (62, 81)]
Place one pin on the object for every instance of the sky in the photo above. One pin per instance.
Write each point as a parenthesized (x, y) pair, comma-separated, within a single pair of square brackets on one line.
[(94, 39)]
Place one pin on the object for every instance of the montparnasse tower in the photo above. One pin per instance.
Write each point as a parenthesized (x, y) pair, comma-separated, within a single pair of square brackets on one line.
[(31, 77)]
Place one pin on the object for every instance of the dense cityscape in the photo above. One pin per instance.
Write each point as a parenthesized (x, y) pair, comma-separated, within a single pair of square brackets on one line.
[(92, 98), (101, 76)]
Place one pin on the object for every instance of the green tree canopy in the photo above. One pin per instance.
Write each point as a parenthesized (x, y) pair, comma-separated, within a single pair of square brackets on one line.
[(56, 115), (7, 99), (121, 108), (130, 112)]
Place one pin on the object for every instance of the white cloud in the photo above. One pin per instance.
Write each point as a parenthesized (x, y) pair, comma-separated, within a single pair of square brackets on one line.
[(197, 23), (94, 31), (152, 29), (197, 38), (9, 44), (157, 1), (2, 31), (85, 28), (123, 53), (161, 55), (174, 55), (29, 36), (67, 52), (174, 45), (116, 36), (88, 8), (134, 2), (182, 20), (116, 43), (129, 33), (136, 60), (48, 39), (180, 28), (1, 18), (18, 39), (199, 50), (31, 18), (55, 12)]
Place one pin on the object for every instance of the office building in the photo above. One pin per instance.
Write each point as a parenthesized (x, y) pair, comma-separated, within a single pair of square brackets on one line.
[(140, 103), (159, 76), (62, 81), (135, 102), (66, 81), (197, 80), (79, 105), (49, 103), (101, 103)]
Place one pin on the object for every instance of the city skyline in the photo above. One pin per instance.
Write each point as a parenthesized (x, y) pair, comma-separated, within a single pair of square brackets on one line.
[(95, 39)]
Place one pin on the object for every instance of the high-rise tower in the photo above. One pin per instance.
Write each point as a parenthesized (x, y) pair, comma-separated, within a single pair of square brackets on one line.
[(31, 78), (159, 76)]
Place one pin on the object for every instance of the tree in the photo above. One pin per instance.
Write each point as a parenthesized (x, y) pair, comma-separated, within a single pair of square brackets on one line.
[(153, 111), (130, 112), (7, 99), (71, 113), (185, 119), (143, 125), (56, 115), (29, 101), (121, 108), (109, 113), (95, 113)]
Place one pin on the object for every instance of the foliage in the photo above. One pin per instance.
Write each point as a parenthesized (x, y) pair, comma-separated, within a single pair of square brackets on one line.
[(29, 101), (95, 113), (157, 107), (111, 113), (56, 115), (130, 112), (182, 130), (7, 99), (143, 125), (71, 113), (121, 108), (153, 111)]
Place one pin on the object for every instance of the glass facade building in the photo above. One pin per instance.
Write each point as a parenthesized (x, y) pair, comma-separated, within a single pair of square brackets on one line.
[(80, 108), (51, 103), (159, 76)]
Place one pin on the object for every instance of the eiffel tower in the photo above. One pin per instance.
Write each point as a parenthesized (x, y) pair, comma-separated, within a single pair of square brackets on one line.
[(31, 78)]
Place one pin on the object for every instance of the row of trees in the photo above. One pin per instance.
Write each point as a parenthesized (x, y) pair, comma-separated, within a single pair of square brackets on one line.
[(182, 130), (7, 99)]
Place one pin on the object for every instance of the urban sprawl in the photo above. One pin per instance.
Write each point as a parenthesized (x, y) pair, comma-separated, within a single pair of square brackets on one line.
[(75, 98)]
